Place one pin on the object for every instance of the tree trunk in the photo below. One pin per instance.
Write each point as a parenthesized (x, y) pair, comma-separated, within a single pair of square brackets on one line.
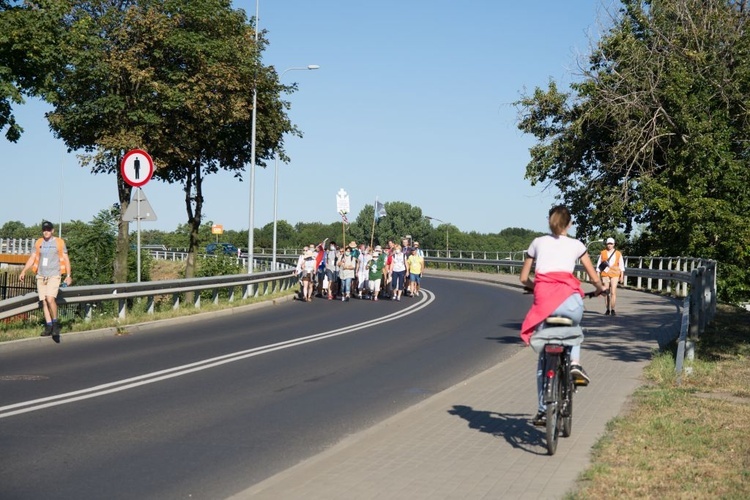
[(194, 208), (124, 191)]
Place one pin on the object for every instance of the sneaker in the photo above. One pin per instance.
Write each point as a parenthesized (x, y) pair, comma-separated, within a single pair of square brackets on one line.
[(579, 375), (343, 299), (47, 330), (398, 299), (540, 420), (612, 312), (56, 329), (607, 313)]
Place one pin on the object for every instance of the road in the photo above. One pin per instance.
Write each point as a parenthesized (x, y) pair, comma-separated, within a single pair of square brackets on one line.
[(205, 408)]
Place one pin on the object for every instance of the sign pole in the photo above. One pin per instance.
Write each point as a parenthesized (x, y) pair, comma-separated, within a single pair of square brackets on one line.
[(136, 168), (342, 206), (138, 226)]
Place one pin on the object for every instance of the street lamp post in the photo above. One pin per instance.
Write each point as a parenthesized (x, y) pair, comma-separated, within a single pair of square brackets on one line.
[(251, 222), (276, 176), (446, 231)]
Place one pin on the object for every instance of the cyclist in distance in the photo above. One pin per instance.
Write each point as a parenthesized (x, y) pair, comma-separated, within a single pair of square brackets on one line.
[(557, 292)]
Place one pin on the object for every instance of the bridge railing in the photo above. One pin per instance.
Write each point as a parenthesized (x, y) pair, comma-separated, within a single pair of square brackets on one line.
[(17, 246), (691, 278)]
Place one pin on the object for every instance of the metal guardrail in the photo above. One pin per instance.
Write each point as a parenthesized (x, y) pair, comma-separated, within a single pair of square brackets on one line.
[(694, 279), (691, 278), (253, 285)]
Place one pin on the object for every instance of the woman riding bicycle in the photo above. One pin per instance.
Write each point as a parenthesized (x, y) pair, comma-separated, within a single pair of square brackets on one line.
[(557, 292)]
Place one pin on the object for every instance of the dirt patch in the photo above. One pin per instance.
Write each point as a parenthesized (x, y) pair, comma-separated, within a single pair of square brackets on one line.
[(167, 270)]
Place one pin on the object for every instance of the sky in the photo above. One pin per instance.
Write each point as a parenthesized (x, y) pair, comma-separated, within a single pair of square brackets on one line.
[(413, 102)]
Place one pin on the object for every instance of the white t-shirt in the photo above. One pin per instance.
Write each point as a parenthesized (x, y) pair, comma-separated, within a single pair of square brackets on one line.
[(398, 262), (555, 253)]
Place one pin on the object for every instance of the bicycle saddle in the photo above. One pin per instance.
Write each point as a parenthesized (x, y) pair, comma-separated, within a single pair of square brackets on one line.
[(559, 321)]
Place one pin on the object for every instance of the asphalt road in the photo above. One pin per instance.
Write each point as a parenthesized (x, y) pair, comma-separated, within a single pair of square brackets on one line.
[(207, 407)]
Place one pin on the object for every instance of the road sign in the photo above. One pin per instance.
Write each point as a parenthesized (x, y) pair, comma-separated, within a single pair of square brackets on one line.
[(139, 208), (342, 202), (137, 167)]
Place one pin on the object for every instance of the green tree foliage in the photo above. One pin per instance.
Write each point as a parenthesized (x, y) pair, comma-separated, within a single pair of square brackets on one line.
[(285, 236), (402, 219), (655, 133), (91, 248), (16, 229), (173, 77), (312, 233)]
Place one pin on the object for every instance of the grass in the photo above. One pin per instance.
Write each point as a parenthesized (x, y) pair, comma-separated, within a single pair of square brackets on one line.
[(683, 441), (106, 316)]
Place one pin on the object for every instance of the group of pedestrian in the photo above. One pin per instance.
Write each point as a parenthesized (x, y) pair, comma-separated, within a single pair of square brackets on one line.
[(357, 270)]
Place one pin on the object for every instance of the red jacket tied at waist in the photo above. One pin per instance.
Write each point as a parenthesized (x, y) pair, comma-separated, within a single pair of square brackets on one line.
[(550, 290)]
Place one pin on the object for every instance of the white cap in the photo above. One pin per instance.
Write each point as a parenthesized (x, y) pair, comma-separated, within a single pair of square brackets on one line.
[(611, 240)]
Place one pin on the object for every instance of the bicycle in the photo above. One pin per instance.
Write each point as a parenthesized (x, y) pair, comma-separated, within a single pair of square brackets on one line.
[(555, 340)]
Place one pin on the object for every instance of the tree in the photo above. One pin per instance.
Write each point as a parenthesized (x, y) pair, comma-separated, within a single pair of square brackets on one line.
[(15, 229), (173, 77), (655, 133), (91, 248), (402, 219)]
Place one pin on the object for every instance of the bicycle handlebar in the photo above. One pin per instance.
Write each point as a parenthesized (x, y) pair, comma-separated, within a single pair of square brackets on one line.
[(589, 295)]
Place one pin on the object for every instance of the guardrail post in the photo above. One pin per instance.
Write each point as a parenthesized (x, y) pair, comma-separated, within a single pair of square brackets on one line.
[(122, 306), (701, 301), (175, 301), (681, 340), (659, 281), (712, 266), (695, 293), (150, 304)]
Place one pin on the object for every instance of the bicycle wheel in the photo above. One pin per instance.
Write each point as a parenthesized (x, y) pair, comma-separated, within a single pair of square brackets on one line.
[(567, 404), (553, 413)]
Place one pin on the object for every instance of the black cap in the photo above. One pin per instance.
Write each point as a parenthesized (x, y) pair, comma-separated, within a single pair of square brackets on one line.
[(47, 226)]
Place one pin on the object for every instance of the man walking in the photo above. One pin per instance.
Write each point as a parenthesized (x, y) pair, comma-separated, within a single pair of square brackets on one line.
[(611, 266), (49, 261)]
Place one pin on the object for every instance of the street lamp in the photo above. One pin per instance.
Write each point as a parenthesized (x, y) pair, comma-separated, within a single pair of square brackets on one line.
[(446, 231), (276, 175), (591, 243)]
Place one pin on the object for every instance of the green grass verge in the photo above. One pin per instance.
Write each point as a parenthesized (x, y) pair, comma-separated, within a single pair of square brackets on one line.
[(106, 317), (688, 440)]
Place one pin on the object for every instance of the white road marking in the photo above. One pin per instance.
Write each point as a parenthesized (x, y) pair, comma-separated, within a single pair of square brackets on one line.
[(150, 378)]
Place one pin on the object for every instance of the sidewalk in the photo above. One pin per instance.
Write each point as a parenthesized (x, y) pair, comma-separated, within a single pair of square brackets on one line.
[(474, 440)]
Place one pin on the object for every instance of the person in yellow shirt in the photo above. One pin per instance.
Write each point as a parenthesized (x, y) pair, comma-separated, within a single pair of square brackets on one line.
[(611, 267), (415, 264)]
